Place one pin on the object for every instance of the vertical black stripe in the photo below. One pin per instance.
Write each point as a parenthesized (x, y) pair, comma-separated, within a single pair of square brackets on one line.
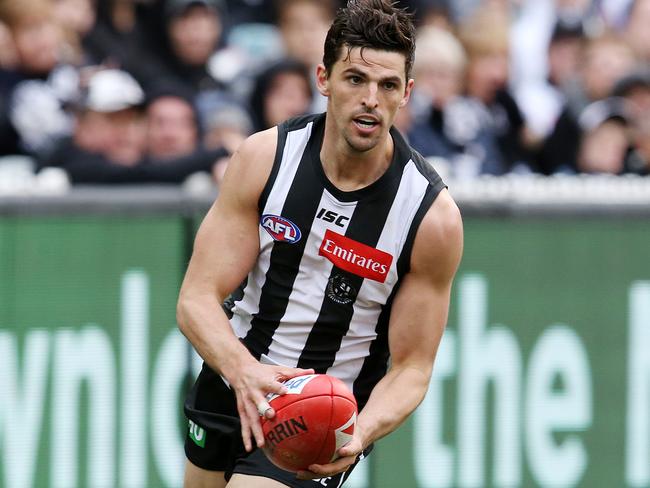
[(279, 151), (366, 226), (376, 363), (300, 208), (404, 261)]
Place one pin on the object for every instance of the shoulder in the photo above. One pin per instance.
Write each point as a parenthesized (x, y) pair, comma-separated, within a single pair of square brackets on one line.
[(250, 165), (439, 240)]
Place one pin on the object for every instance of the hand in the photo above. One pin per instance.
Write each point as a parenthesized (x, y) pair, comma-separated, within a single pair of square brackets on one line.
[(251, 386), (347, 457)]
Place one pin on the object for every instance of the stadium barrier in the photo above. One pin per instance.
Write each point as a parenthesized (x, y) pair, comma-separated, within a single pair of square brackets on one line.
[(542, 379)]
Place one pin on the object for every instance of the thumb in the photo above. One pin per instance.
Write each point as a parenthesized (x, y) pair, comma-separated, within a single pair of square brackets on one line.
[(352, 448)]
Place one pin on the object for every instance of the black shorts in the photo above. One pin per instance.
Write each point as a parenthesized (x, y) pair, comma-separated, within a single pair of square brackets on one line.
[(214, 439)]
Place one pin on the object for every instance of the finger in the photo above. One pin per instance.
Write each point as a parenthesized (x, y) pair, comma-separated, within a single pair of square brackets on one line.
[(254, 425), (288, 373), (341, 464), (264, 409), (319, 471), (307, 475), (245, 425), (350, 449)]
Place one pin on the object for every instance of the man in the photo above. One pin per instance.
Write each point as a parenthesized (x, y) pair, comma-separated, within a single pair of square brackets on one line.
[(361, 267), (172, 123)]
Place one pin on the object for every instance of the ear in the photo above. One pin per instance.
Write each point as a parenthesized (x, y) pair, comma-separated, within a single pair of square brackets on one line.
[(407, 93), (322, 80)]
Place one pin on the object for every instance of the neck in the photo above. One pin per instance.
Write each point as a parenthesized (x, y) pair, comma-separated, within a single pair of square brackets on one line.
[(349, 169)]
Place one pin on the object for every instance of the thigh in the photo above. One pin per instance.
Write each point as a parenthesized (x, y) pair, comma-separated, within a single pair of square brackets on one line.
[(248, 481), (196, 477)]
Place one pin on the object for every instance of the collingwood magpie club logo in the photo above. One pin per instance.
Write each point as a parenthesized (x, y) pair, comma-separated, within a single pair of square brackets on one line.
[(340, 290)]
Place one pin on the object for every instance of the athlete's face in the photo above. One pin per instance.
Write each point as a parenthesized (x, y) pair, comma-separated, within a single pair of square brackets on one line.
[(365, 90)]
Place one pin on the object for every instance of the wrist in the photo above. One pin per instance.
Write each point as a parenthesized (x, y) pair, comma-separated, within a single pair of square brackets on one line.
[(363, 434), (234, 361)]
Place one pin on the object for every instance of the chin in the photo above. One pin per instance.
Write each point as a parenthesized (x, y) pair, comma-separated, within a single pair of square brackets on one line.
[(361, 145)]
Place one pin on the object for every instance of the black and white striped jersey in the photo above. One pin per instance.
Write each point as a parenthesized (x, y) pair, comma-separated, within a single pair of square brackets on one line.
[(330, 261)]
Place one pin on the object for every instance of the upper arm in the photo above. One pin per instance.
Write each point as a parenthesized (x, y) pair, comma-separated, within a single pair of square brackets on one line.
[(420, 309), (227, 243)]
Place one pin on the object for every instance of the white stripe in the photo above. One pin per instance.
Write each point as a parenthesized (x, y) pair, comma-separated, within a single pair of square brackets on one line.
[(308, 291), (355, 345), (244, 310)]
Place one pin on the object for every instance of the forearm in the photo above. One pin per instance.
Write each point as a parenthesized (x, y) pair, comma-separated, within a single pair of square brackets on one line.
[(392, 400), (202, 320)]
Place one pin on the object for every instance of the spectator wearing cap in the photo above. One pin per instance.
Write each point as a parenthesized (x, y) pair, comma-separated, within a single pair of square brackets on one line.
[(109, 142)]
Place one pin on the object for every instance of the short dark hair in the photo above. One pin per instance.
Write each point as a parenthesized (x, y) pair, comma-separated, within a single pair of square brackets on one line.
[(374, 24)]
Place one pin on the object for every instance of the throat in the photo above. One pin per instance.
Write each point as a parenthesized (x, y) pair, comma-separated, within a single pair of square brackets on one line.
[(349, 172)]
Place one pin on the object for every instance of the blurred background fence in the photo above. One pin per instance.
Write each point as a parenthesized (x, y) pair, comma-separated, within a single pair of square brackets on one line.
[(543, 377)]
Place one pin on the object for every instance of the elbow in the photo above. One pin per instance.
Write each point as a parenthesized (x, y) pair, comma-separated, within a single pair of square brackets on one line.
[(182, 313)]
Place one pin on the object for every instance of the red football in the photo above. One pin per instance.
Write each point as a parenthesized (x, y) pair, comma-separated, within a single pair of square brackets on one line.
[(312, 422)]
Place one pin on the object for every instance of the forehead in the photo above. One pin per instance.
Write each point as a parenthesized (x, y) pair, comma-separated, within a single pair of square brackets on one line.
[(372, 61)]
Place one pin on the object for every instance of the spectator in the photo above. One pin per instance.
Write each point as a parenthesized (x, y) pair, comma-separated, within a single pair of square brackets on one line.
[(123, 36), (303, 26), (108, 145), (604, 138), (76, 18), (34, 89), (541, 101), (447, 124), (193, 30), (636, 32), (281, 91), (227, 125), (604, 61), (485, 37), (635, 91), (172, 123)]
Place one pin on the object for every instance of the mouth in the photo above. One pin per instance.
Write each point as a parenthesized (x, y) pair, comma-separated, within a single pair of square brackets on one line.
[(366, 122)]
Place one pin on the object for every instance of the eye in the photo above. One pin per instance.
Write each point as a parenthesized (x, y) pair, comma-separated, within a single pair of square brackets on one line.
[(390, 85), (354, 79)]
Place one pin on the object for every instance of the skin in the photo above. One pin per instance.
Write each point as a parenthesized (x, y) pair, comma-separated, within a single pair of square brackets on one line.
[(288, 97), (171, 128), (374, 87), (194, 35)]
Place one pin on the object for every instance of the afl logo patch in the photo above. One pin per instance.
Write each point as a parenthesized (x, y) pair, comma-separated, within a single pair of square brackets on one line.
[(280, 229)]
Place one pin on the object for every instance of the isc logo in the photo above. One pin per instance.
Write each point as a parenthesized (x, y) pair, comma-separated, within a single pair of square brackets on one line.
[(280, 229), (331, 216)]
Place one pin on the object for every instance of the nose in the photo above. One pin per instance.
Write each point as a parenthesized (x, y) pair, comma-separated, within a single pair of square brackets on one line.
[(370, 97)]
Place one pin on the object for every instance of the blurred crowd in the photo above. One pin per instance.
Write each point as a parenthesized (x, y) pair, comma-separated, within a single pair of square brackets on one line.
[(134, 91)]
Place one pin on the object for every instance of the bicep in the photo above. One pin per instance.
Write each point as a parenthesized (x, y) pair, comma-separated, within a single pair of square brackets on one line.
[(420, 310), (227, 243)]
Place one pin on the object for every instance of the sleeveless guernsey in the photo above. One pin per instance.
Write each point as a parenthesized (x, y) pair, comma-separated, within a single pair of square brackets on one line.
[(330, 261)]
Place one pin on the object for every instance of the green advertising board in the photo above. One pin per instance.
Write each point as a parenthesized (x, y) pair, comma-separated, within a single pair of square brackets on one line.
[(543, 377), (91, 363)]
